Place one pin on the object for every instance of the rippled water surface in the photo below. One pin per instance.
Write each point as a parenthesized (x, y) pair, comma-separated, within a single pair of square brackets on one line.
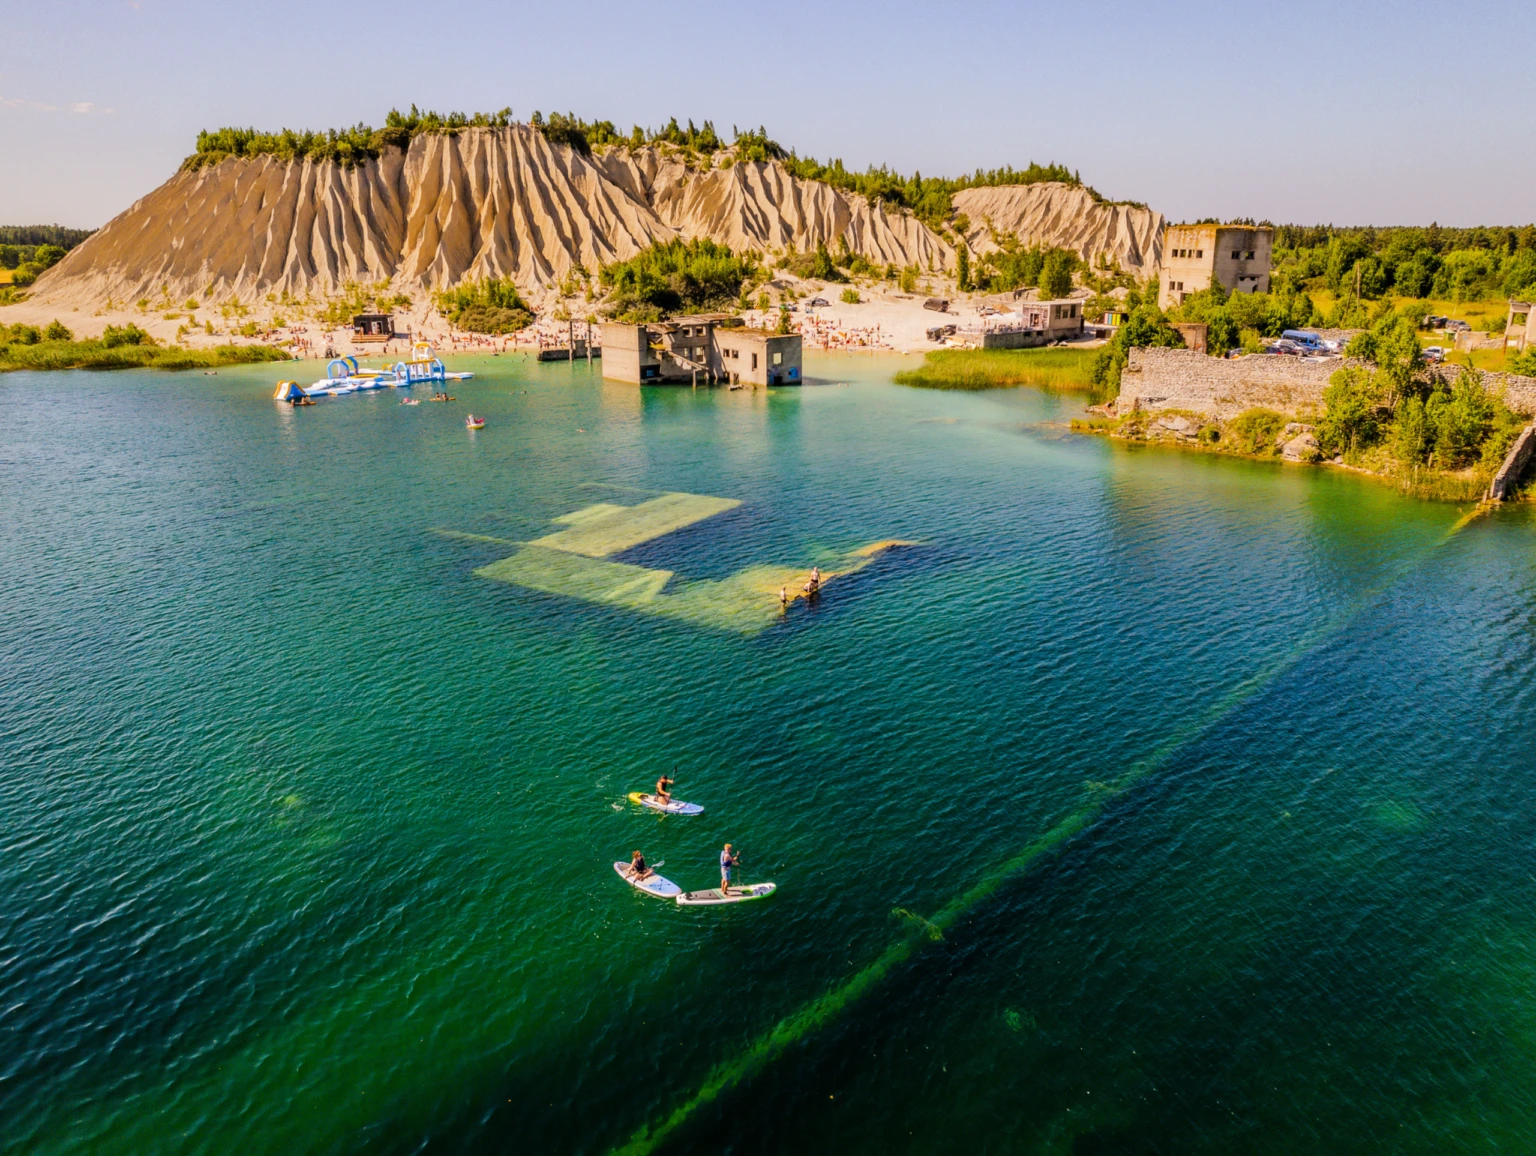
[(1151, 803)]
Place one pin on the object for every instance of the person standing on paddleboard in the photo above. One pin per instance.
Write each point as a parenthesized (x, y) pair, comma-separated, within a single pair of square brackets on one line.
[(728, 864), (637, 867), (663, 789)]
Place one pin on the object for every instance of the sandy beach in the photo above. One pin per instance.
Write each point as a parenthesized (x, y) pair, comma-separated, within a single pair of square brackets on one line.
[(885, 320)]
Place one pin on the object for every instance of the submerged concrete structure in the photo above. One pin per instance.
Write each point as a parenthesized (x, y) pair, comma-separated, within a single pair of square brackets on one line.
[(700, 350), (1235, 256)]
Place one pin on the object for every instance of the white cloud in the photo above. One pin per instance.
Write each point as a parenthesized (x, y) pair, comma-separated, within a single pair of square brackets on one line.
[(82, 107)]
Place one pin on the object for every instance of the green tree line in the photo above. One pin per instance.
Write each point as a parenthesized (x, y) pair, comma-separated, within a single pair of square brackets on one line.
[(346, 146), (119, 347), (1242, 320), (928, 198), (30, 236), (1394, 413), (491, 305), (675, 277), (29, 261), (1420, 262)]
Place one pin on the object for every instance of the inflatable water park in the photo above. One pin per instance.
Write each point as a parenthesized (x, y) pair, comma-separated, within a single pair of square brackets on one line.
[(343, 375)]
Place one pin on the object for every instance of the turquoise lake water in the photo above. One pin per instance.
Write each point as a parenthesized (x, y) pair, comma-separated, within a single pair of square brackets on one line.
[(1150, 803)]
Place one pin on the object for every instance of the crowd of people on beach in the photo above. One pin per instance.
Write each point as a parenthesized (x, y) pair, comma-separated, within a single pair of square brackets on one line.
[(821, 332)]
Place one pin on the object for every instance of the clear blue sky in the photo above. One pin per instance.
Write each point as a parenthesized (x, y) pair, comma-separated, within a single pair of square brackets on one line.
[(1351, 113)]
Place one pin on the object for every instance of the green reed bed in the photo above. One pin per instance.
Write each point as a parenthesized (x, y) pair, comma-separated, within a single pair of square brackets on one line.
[(98, 355), (1065, 369)]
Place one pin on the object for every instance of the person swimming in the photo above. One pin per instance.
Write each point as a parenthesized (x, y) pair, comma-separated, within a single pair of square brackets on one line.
[(637, 867)]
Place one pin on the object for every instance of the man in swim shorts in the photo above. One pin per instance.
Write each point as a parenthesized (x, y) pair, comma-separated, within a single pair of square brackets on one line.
[(729, 861)]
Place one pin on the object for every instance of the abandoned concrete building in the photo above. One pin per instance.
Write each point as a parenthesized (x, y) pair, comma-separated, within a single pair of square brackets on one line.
[(1235, 256), (700, 350), (1040, 323), (1520, 326)]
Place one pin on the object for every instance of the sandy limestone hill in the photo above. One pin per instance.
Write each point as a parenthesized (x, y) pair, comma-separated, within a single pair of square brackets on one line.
[(1066, 216), (504, 202)]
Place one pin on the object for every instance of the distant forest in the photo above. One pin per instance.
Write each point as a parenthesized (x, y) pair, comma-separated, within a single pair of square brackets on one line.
[(30, 249), (65, 239), (926, 197), (1407, 261)]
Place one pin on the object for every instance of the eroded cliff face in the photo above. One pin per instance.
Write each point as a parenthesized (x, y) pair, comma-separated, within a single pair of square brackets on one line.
[(504, 202), (1066, 216)]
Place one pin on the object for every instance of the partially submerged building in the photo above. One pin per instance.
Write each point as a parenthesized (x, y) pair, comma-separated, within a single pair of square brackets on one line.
[(1235, 256), (700, 350)]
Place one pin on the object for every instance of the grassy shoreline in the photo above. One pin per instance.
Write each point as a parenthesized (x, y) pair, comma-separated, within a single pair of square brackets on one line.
[(1215, 438), (45, 355), (1046, 368)]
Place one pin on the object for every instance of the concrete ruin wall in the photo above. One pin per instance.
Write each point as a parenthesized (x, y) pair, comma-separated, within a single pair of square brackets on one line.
[(1183, 379), (1519, 393), (1158, 379), (1014, 339)]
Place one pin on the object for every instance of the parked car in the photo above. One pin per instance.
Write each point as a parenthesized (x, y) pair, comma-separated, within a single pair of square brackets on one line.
[(817, 303), (1284, 345), (1302, 339), (1459, 326), (987, 311), (1434, 354)]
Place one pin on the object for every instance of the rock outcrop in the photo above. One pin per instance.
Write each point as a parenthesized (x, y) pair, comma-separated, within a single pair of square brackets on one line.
[(504, 202)]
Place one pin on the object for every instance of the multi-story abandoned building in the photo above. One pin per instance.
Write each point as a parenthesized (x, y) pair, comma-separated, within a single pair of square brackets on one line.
[(1235, 256), (699, 350)]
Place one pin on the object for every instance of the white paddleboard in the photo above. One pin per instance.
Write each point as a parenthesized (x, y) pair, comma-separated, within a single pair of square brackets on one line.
[(675, 807), (652, 884), (739, 894)]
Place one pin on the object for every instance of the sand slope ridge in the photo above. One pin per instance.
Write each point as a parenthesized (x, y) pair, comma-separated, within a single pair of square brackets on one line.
[(504, 202), (1066, 216)]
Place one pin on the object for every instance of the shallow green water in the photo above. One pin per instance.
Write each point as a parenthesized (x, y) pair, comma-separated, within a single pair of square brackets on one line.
[(305, 829)]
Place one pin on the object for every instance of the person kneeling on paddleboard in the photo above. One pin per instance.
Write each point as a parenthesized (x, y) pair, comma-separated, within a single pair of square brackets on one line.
[(663, 789), (728, 864), (637, 867)]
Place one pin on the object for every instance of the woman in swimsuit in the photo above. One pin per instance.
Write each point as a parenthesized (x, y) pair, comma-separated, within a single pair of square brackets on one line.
[(637, 867)]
